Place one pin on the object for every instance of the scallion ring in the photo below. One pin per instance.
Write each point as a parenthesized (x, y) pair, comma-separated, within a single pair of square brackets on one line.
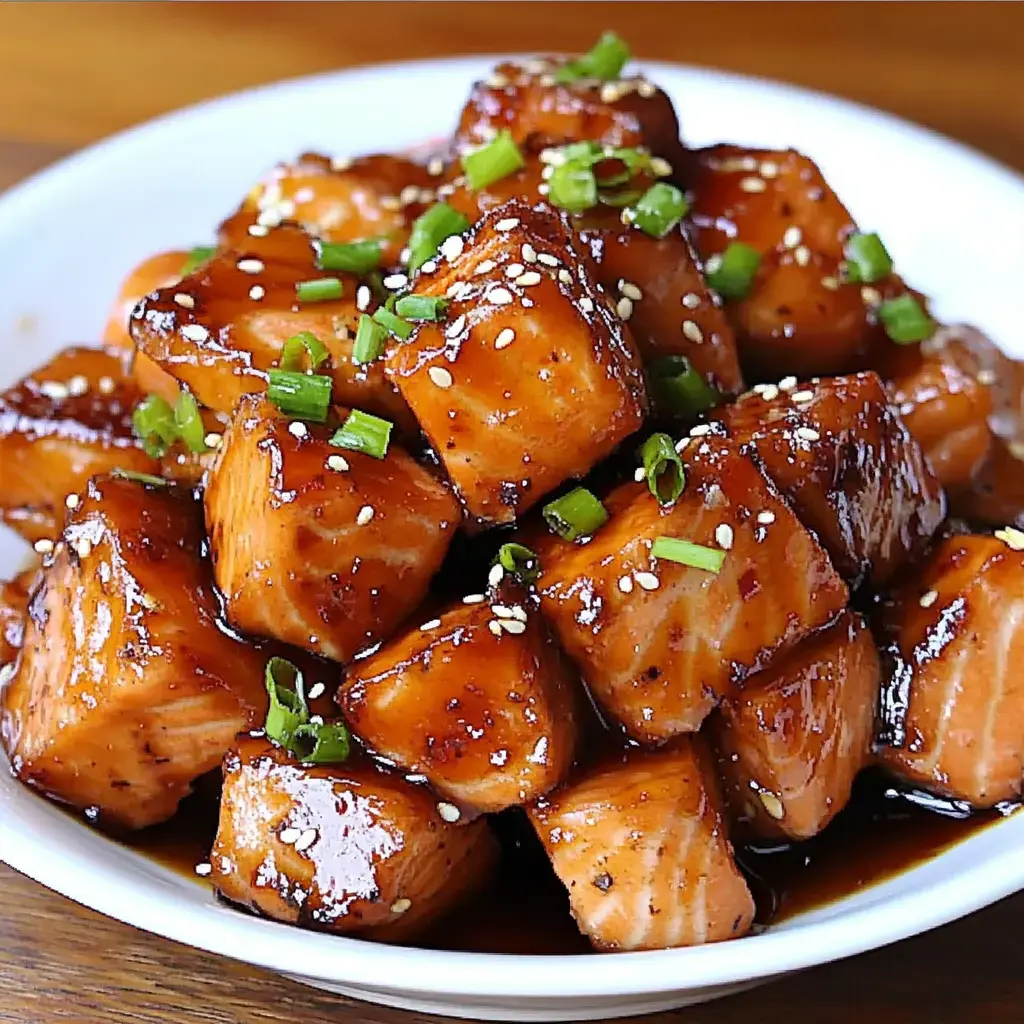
[(604, 61), (363, 432), (493, 161), (371, 339), (663, 468), (685, 552), (679, 390), (732, 273), (519, 561), (304, 341), (360, 257), (322, 289), (576, 514), (430, 229), (300, 396)]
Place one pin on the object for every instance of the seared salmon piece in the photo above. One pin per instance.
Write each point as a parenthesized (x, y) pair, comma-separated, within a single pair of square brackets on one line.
[(223, 327), (540, 112), (13, 609), (338, 200), (995, 497), (792, 742), (321, 547), (660, 643), (340, 848), (128, 687), (642, 846), (479, 701), (530, 377), (799, 316), (65, 422), (852, 472), (953, 700)]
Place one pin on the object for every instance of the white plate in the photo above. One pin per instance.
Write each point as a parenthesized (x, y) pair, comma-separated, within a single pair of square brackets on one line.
[(68, 236)]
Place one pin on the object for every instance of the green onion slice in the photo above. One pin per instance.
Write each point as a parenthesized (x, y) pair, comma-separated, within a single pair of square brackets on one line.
[(352, 257), (733, 271), (371, 338), (320, 742), (604, 61), (905, 320), (490, 163), (430, 229), (141, 478), (665, 474), (519, 560), (189, 423), (679, 390), (393, 324), (421, 307), (576, 514), (866, 259), (153, 423), (685, 552), (573, 186), (323, 289), (288, 708), (659, 209), (300, 396), (197, 256), (304, 341), (362, 432)]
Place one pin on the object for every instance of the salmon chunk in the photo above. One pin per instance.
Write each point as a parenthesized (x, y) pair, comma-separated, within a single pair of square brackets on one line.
[(128, 687), (479, 701), (63, 423), (339, 200), (853, 473), (13, 609), (640, 843), (321, 547), (529, 378), (660, 643), (223, 327), (799, 316), (995, 496), (791, 744), (953, 702), (340, 848)]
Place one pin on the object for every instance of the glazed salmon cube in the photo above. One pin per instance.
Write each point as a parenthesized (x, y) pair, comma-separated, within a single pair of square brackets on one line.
[(478, 701), (128, 687), (530, 377), (223, 327), (340, 848), (13, 608), (995, 497), (68, 420), (852, 472), (323, 548), (661, 643), (641, 844), (792, 742), (953, 699), (338, 200)]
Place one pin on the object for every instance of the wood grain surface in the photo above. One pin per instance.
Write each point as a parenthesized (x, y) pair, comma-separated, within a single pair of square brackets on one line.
[(71, 73)]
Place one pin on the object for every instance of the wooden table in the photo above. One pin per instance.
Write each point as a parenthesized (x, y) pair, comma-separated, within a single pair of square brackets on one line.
[(71, 73)]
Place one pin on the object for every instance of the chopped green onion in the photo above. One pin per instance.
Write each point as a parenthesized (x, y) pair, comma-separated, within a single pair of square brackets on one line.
[(323, 289), (362, 432), (288, 709), (605, 61), (430, 229), (490, 163), (660, 209), (733, 272), (679, 390), (590, 152), (300, 396), (393, 324), (905, 320), (421, 307), (304, 341), (197, 257), (141, 478), (685, 552), (153, 423), (573, 186), (353, 257), (371, 337), (576, 514), (189, 422), (629, 197), (665, 475), (866, 259), (519, 560), (320, 743)]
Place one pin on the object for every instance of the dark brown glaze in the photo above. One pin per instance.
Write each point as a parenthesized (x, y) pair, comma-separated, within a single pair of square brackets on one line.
[(641, 844), (225, 338), (479, 701), (320, 547), (340, 848), (526, 100), (13, 609), (339, 200), (660, 643), (511, 423), (995, 497), (853, 473), (63, 423), (128, 687), (953, 698), (791, 744), (799, 317)]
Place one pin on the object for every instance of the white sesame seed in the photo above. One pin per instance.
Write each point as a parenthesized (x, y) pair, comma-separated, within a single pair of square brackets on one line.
[(518, 612), (1011, 537), (700, 430), (258, 230), (626, 216), (610, 92), (985, 377), (395, 281), (256, 292), (514, 626), (431, 624), (456, 327), (391, 203), (501, 611), (802, 255), (43, 546), (506, 224), (428, 267), (83, 548), (250, 266), (185, 301), (485, 267), (270, 218), (505, 338), (341, 163), (639, 474), (870, 296), (306, 840), (646, 89), (770, 392), (807, 434), (195, 332), (499, 296), (787, 383), (528, 252), (682, 443), (548, 260), (528, 279), (659, 166), (449, 812), (78, 385), (316, 690), (297, 428), (410, 194), (830, 283), (624, 307), (213, 439), (106, 385), (769, 169), (451, 247), (494, 626), (71, 501), (338, 463), (1017, 449), (363, 297), (204, 869), (440, 377), (366, 513), (927, 600), (435, 167), (289, 836), (691, 300), (564, 276), (724, 536), (405, 255), (514, 269), (473, 599), (626, 584), (54, 389), (630, 290), (401, 906), (692, 331), (752, 184), (772, 804), (803, 396), (496, 574), (792, 237), (647, 580)]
